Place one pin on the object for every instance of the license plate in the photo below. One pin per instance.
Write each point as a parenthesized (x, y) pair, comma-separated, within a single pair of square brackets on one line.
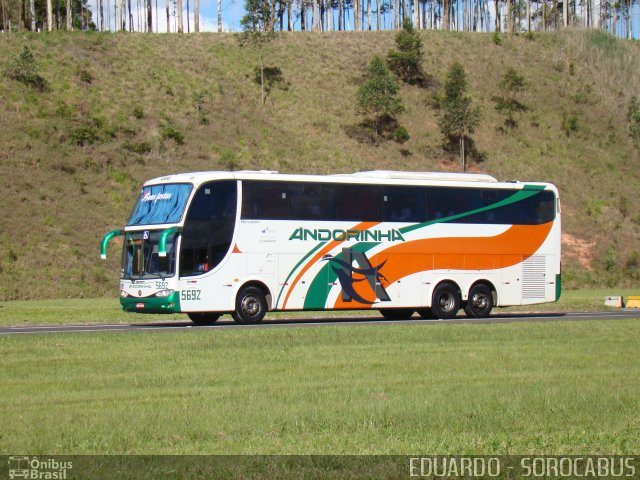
[(139, 305)]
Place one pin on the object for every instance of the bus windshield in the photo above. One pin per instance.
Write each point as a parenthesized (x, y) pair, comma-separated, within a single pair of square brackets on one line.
[(160, 204), (141, 259)]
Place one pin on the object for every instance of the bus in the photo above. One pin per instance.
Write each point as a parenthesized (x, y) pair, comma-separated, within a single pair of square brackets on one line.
[(250, 242)]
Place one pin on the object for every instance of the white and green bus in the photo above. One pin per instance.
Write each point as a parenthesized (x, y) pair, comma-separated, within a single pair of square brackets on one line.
[(246, 243)]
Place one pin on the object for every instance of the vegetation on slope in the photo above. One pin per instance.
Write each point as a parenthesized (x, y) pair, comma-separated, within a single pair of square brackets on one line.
[(121, 108)]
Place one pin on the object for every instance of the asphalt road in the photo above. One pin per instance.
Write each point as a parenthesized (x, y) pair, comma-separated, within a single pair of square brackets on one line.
[(224, 324)]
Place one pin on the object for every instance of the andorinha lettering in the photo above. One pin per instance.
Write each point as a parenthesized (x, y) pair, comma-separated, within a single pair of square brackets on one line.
[(149, 197), (324, 235)]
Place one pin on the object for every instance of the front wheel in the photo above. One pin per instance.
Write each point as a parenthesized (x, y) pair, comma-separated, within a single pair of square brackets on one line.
[(480, 302), (446, 301), (251, 306), (204, 318)]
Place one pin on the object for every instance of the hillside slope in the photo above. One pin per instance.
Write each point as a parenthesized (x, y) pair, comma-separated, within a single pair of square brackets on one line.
[(122, 108)]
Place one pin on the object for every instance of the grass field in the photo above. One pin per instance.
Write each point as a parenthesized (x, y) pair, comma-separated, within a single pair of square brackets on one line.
[(107, 310), (557, 387)]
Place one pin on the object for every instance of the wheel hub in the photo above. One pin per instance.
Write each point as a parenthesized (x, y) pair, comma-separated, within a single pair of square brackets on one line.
[(479, 301), (250, 305)]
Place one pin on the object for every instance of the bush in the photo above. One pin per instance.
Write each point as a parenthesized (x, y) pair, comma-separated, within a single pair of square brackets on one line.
[(400, 134), (138, 112), (85, 134), (569, 124), (496, 38), (229, 160), (170, 132), (24, 69)]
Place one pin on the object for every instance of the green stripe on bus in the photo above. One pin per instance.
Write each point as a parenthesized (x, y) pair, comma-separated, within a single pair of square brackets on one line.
[(319, 289), (302, 260), (526, 192)]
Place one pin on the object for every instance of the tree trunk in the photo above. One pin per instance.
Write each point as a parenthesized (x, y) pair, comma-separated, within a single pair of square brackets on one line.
[(378, 15), (445, 17), (196, 16), (149, 17), (69, 17), (262, 77), (369, 15), (49, 15), (356, 15), (340, 27), (329, 14), (565, 13), (416, 15), (464, 163), (131, 25), (497, 20), (314, 15), (32, 8), (166, 3), (289, 17), (188, 20), (508, 15), (179, 8)]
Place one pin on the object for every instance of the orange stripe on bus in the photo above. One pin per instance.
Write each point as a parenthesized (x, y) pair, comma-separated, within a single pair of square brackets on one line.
[(456, 253), (323, 251)]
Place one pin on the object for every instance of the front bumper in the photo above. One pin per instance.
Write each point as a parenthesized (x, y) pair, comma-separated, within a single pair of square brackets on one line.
[(169, 304)]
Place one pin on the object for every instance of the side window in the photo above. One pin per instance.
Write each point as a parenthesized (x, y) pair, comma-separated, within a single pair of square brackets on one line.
[(209, 226), (535, 210), (312, 201), (483, 199), (359, 203), (446, 202), (403, 204), (265, 200)]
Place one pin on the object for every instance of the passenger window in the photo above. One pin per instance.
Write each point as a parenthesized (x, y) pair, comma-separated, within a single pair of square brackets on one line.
[(403, 204), (265, 200), (312, 201)]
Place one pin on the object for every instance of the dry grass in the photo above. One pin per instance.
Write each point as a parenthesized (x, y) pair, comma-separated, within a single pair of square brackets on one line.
[(61, 194)]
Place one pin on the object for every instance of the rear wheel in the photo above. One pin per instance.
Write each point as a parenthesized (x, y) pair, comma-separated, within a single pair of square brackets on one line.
[(204, 318), (251, 306), (396, 313), (446, 301), (480, 301)]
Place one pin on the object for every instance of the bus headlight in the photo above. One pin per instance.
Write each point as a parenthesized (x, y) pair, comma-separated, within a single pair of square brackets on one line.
[(164, 293), (123, 294)]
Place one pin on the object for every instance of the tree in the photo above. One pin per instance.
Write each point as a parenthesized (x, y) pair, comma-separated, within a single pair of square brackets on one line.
[(24, 69), (633, 115), (458, 117), (257, 33), (511, 85), (406, 60), (377, 96)]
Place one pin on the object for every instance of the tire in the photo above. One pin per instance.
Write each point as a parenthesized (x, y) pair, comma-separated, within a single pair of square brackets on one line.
[(426, 313), (251, 306), (480, 301), (446, 301), (204, 318), (396, 313)]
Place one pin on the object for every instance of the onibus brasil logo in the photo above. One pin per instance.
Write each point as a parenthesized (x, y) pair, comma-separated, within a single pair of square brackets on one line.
[(344, 269), (35, 468)]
